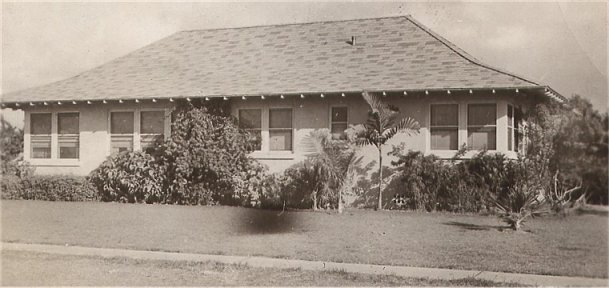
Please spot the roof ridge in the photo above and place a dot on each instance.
(293, 24)
(462, 52)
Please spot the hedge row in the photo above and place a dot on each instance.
(48, 188)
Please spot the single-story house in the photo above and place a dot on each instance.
(282, 82)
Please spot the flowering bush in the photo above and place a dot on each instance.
(132, 177)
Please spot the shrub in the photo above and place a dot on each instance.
(460, 185)
(17, 167)
(320, 179)
(257, 188)
(132, 177)
(205, 162)
(204, 153)
(49, 188)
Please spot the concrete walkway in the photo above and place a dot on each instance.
(403, 271)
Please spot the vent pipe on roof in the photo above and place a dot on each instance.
(352, 40)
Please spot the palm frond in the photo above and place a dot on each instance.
(406, 125)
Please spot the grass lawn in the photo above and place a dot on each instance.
(40, 269)
(570, 246)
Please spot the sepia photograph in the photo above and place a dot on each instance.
(317, 144)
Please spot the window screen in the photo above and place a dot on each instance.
(40, 135)
(68, 135)
(280, 129)
(339, 123)
(121, 129)
(251, 121)
(444, 126)
(482, 126)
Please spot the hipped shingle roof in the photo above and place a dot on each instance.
(391, 53)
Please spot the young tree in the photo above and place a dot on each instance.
(383, 123)
(329, 165)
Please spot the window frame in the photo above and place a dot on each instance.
(496, 126)
(253, 129)
(30, 140)
(54, 160)
(110, 134)
(338, 122)
(269, 129)
(137, 140)
(140, 134)
(456, 127)
(69, 134)
(511, 145)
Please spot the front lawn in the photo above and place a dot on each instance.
(25, 269)
(571, 246)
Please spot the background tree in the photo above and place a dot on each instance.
(383, 123)
(11, 144)
(571, 141)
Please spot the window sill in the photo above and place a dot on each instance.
(55, 162)
(280, 155)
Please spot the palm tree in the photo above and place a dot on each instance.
(328, 166)
(383, 123)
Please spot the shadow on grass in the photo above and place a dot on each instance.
(257, 221)
(474, 227)
(591, 211)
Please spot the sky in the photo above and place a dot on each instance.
(560, 44)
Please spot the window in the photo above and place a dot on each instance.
(482, 126)
(152, 127)
(280, 129)
(68, 135)
(338, 122)
(510, 130)
(40, 135)
(121, 131)
(444, 126)
(251, 120)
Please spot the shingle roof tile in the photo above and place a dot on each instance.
(389, 53)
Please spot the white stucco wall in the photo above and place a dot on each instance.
(313, 112)
(308, 114)
(94, 138)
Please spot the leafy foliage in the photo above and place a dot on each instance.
(49, 188)
(384, 122)
(201, 164)
(320, 180)
(133, 177)
(11, 148)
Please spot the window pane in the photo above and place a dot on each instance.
(67, 123)
(338, 129)
(280, 140)
(444, 139)
(481, 114)
(250, 118)
(152, 122)
(41, 146)
(68, 146)
(40, 123)
(510, 114)
(280, 118)
(121, 143)
(148, 142)
(480, 138)
(257, 134)
(445, 115)
(121, 123)
(510, 136)
(339, 114)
